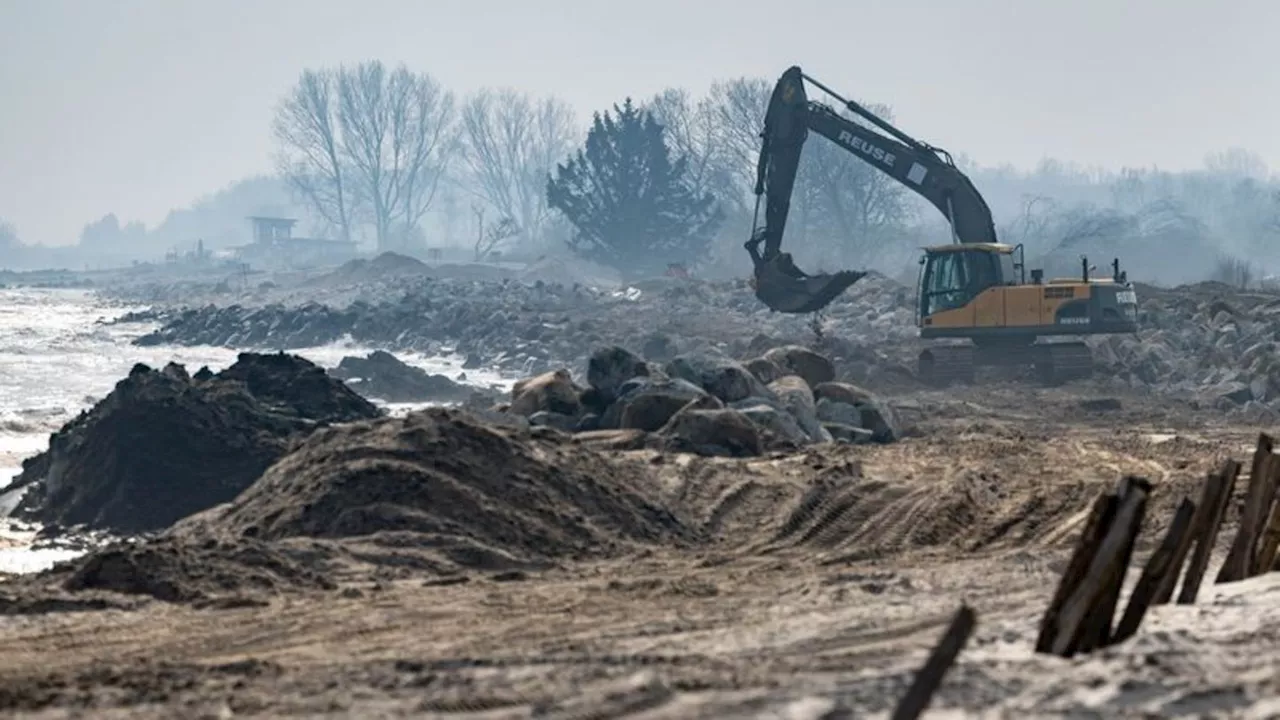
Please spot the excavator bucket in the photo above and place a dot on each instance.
(783, 287)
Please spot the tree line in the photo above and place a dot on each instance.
(669, 178)
(370, 151)
(652, 182)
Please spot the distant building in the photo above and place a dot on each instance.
(275, 247)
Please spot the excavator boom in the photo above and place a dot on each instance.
(924, 169)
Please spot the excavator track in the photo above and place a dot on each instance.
(1051, 363)
(946, 365)
(1058, 363)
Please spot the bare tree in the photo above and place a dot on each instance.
(1237, 162)
(397, 133)
(310, 149)
(692, 132)
(491, 238)
(857, 200)
(361, 143)
(510, 143)
(1031, 226)
(737, 109)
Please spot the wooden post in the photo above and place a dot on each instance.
(1095, 527)
(1094, 592)
(1159, 566)
(1225, 481)
(1096, 631)
(1265, 562)
(1257, 506)
(929, 677)
(1204, 511)
(1269, 535)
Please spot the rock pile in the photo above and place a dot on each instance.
(532, 328)
(709, 404)
(163, 445)
(1208, 342)
(383, 376)
(1214, 344)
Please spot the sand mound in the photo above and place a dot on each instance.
(163, 445)
(441, 479)
(174, 570)
(392, 265)
(1009, 493)
(382, 266)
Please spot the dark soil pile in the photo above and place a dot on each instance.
(164, 445)
(176, 570)
(384, 376)
(441, 479)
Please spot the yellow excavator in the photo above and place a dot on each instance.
(974, 288)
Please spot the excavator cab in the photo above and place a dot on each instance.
(952, 276)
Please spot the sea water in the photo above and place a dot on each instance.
(59, 355)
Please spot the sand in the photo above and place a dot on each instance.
(804, 586)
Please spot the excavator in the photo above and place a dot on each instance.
(971, 293)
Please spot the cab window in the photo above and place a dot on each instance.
(946, 278)
(952, 279)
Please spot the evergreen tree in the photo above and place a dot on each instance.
(630, 204)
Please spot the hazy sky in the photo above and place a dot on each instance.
(138, 106)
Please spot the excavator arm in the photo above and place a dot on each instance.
(924, 169)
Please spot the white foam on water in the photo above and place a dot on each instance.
(18, 557)
(58, 358)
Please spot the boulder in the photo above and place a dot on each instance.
(765, 370)
(813, 367)
(720, 376)
(770, 417)
(793, 393)
(842, 392)
(879, 418)
(610, 367)
(384, 376)
(874, 413)
(552, 391)
(724, 432)
(648, 403)
(834, 411)
(653, 406)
